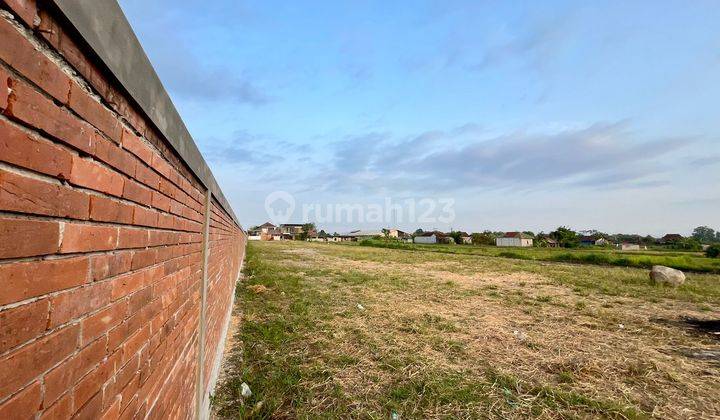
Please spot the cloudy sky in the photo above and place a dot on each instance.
(529, 115)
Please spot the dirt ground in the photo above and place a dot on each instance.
(432, 336)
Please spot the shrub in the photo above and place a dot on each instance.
(713, 251)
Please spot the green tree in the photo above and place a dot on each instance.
(306, 229)
(713, 251)
(705, 234)
(484, 238)
(566, 237)
(456, 237)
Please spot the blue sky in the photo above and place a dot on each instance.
(596, 115)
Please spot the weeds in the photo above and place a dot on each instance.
(435, 338)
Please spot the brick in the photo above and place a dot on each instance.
(88, 386)
(40, 112)
(145, 217)
(166, 221)
(137, 147)
(61, 409)
(133, 238)
(54, 34)
(28, 151)
(124, 375)
(20, 54)
(127, 284)
(72, 304)
(23, 323)
(25, 9)
(128, 399)
(170, 190)
(162, 166)
(27, 238)
(88, 238)
(144, 258)
(21, 280)
(21, 366)
(110, 153)
(179, 209)
(139, 299)
(134, 191)
(4, 88)
(133, 344)
(65, 375)
(108, 265)
(113, 412)
(104, 209)
(147, 176)
(97, 324)
(23, 405)
(89, 174)
(20, 193)
(117, 336)
(165, 253)
(160, 237)
(160, 201)
(94, 112)
(91, 410)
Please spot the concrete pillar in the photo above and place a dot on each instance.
(201, 410)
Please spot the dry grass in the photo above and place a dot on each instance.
(342, 331)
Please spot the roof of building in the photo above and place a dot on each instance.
(673, 236)
(365, 233)
(434, 232)
(517, 235)
(266, 224)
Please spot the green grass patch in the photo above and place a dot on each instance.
(686, 261)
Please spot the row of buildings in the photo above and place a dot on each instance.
(269, 232)
(293, 231)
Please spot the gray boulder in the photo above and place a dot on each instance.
(666, 275)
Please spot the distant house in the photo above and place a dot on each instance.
(314, 236)
(465, 238)
(443, 238)
(364, 234)
(548, 242)
(602, 242)
(267, 227)
(671, 238)
(291, 230)
(514, 239)
(426, 238)
(265, 232)
(399, 234)
(587, 240)
(625, 246)
(552, 243)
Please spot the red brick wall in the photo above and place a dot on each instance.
(101, 238)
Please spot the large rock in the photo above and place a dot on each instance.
(666, 275)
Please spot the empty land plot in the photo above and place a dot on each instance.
(358, 332)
